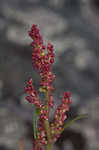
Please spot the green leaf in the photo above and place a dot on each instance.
(38, 111)
(35, 123)
(74, 119)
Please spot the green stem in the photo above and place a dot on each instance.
(47, 127)
(46, 122)
(48, 146)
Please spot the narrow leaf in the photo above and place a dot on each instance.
(35, 123)
(74, 119)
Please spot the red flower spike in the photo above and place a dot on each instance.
(42, 59)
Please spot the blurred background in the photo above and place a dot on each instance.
(73, 27)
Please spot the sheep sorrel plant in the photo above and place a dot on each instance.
(45, 133)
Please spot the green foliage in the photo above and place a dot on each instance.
(35, 116)
(73, 120)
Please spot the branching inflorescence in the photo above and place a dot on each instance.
(45, 133)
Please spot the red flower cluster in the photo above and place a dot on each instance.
(60, 116)
(42, 59)
(42, 134)
(32, 97)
